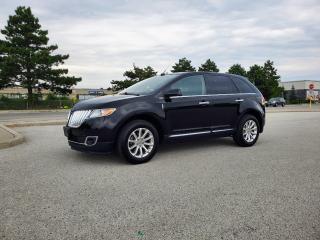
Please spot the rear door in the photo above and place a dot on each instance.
(188, 113)
(224, 101)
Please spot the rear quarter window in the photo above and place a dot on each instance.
(244, 86)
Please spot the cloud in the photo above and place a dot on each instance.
(104, 38)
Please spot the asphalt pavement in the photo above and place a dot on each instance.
(31, 116)
(204, 189)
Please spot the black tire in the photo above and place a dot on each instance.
(283, 104)
(123, 141)
(238, 136)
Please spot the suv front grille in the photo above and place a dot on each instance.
(78, 117)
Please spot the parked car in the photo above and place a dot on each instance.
(275, 102)
(163, 108)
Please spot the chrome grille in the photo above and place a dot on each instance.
(78, 117)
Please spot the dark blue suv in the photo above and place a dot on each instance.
(172, 106)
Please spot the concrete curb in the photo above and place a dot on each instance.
(15, 140)
(19, 138)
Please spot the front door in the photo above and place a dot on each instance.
(187, 114)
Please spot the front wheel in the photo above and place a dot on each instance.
(138, 141)
(247, 132)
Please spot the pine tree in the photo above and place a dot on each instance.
(140, 74)
(27, 60)
(183, 65)
(133, 76)
(209, 66)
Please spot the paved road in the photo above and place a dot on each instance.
(22, 116)
(208, 189)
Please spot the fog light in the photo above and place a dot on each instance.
(91, 141)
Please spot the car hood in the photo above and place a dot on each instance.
(103, 102)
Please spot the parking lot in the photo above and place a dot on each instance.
(203, 189)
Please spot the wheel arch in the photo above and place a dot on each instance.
(149, 117)
(256, 114)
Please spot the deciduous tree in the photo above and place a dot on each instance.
(237, 69)
(266, 79)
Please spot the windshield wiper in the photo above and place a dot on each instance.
(126, 93)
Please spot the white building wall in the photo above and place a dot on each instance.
(300, 85)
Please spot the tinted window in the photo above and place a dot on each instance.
(243, 86)
(193, 85)
(219, 84)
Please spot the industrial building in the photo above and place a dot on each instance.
(299, 88)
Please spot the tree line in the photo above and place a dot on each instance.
(265, 77)
(28, 60)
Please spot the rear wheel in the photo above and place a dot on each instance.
(247, 132)
(138, 141)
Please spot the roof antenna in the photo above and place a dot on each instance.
(165, 70)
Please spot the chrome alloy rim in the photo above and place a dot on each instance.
(250, 131)
(140, 142)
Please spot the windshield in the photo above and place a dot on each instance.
(148, 85)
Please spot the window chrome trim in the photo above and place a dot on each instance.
(210, 95)
(202, 132)
(218, 94)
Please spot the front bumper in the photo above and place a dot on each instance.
(77, 139)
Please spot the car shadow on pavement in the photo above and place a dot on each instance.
(195, 144)
(180, 146)
(96, 158)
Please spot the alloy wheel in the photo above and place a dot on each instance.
(140, 142)
(250, 131)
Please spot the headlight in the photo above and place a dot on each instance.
(102, 112)
(69, 115)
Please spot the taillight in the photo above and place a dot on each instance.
(263, 101)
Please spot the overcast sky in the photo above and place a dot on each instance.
(104, 38)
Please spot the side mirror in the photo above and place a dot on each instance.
(171, 93)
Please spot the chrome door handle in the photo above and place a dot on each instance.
(239, 100)
(204, 103)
